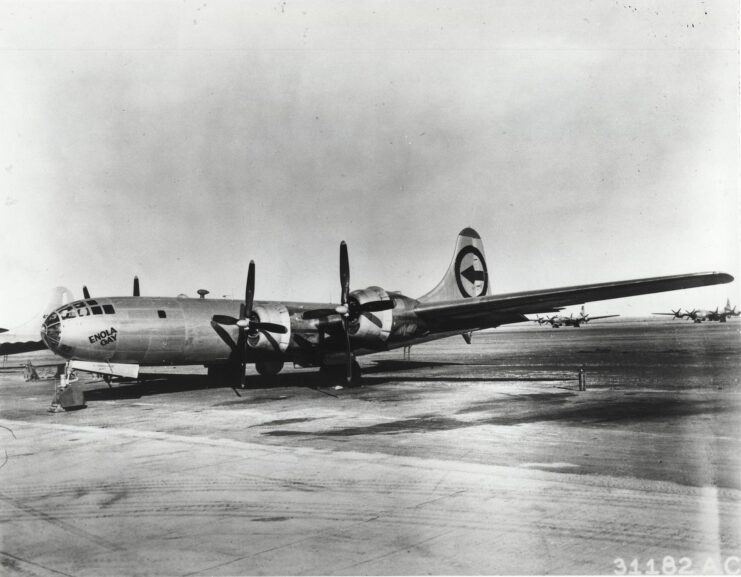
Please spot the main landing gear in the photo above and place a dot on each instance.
(269, 368)
(230, 374)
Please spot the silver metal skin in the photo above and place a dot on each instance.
(149, 331)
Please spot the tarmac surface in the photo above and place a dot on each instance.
(465, 459)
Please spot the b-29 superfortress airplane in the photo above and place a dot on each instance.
(557, 321)
(118, 335)
(700, 315)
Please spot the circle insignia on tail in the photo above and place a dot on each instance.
(471, 273)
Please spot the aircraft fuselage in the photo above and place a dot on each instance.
(178, 331)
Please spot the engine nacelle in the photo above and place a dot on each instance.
(372, 327)
(272, 342)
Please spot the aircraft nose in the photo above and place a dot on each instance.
(51, 331)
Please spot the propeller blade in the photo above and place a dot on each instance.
(85, 292)
(225, 336)
(348, 351)
(344, 272)
(249, 294)
(136, 286)
(303, 342)
(224, 320)
(269, 327)
(318, 314)
(242, 352)
(377, 306)
(273, 342)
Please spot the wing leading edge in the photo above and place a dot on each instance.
(501, 309)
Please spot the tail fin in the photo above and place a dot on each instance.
(467, 275)
(60, 296)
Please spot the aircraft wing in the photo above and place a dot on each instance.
(15, 347)
(500, 309)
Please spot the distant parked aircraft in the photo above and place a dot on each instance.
(675, 314)
(700, 315)
(558, 321)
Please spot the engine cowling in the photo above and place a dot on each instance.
(272, 342)
(371, 327)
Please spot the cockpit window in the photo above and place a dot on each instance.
(67, 313)
(96, 310)
(50, 331)
(108, 309)
(92, 302)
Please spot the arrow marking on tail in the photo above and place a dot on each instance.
(473, 281)
(472, 275)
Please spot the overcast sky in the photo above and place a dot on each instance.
(585, 141)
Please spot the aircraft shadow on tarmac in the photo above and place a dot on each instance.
(522, 410)
(162, 384)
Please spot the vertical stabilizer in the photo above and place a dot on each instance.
(60, 296)
(467, 275)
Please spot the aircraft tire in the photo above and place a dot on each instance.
(269, 368)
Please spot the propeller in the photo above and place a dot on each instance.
(350, 308)
(677, 313)
(248, 323)
(85, 292)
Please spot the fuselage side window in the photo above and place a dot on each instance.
(96, 310)
(108, 309)
(162, 314)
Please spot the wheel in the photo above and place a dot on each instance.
(269, 368)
